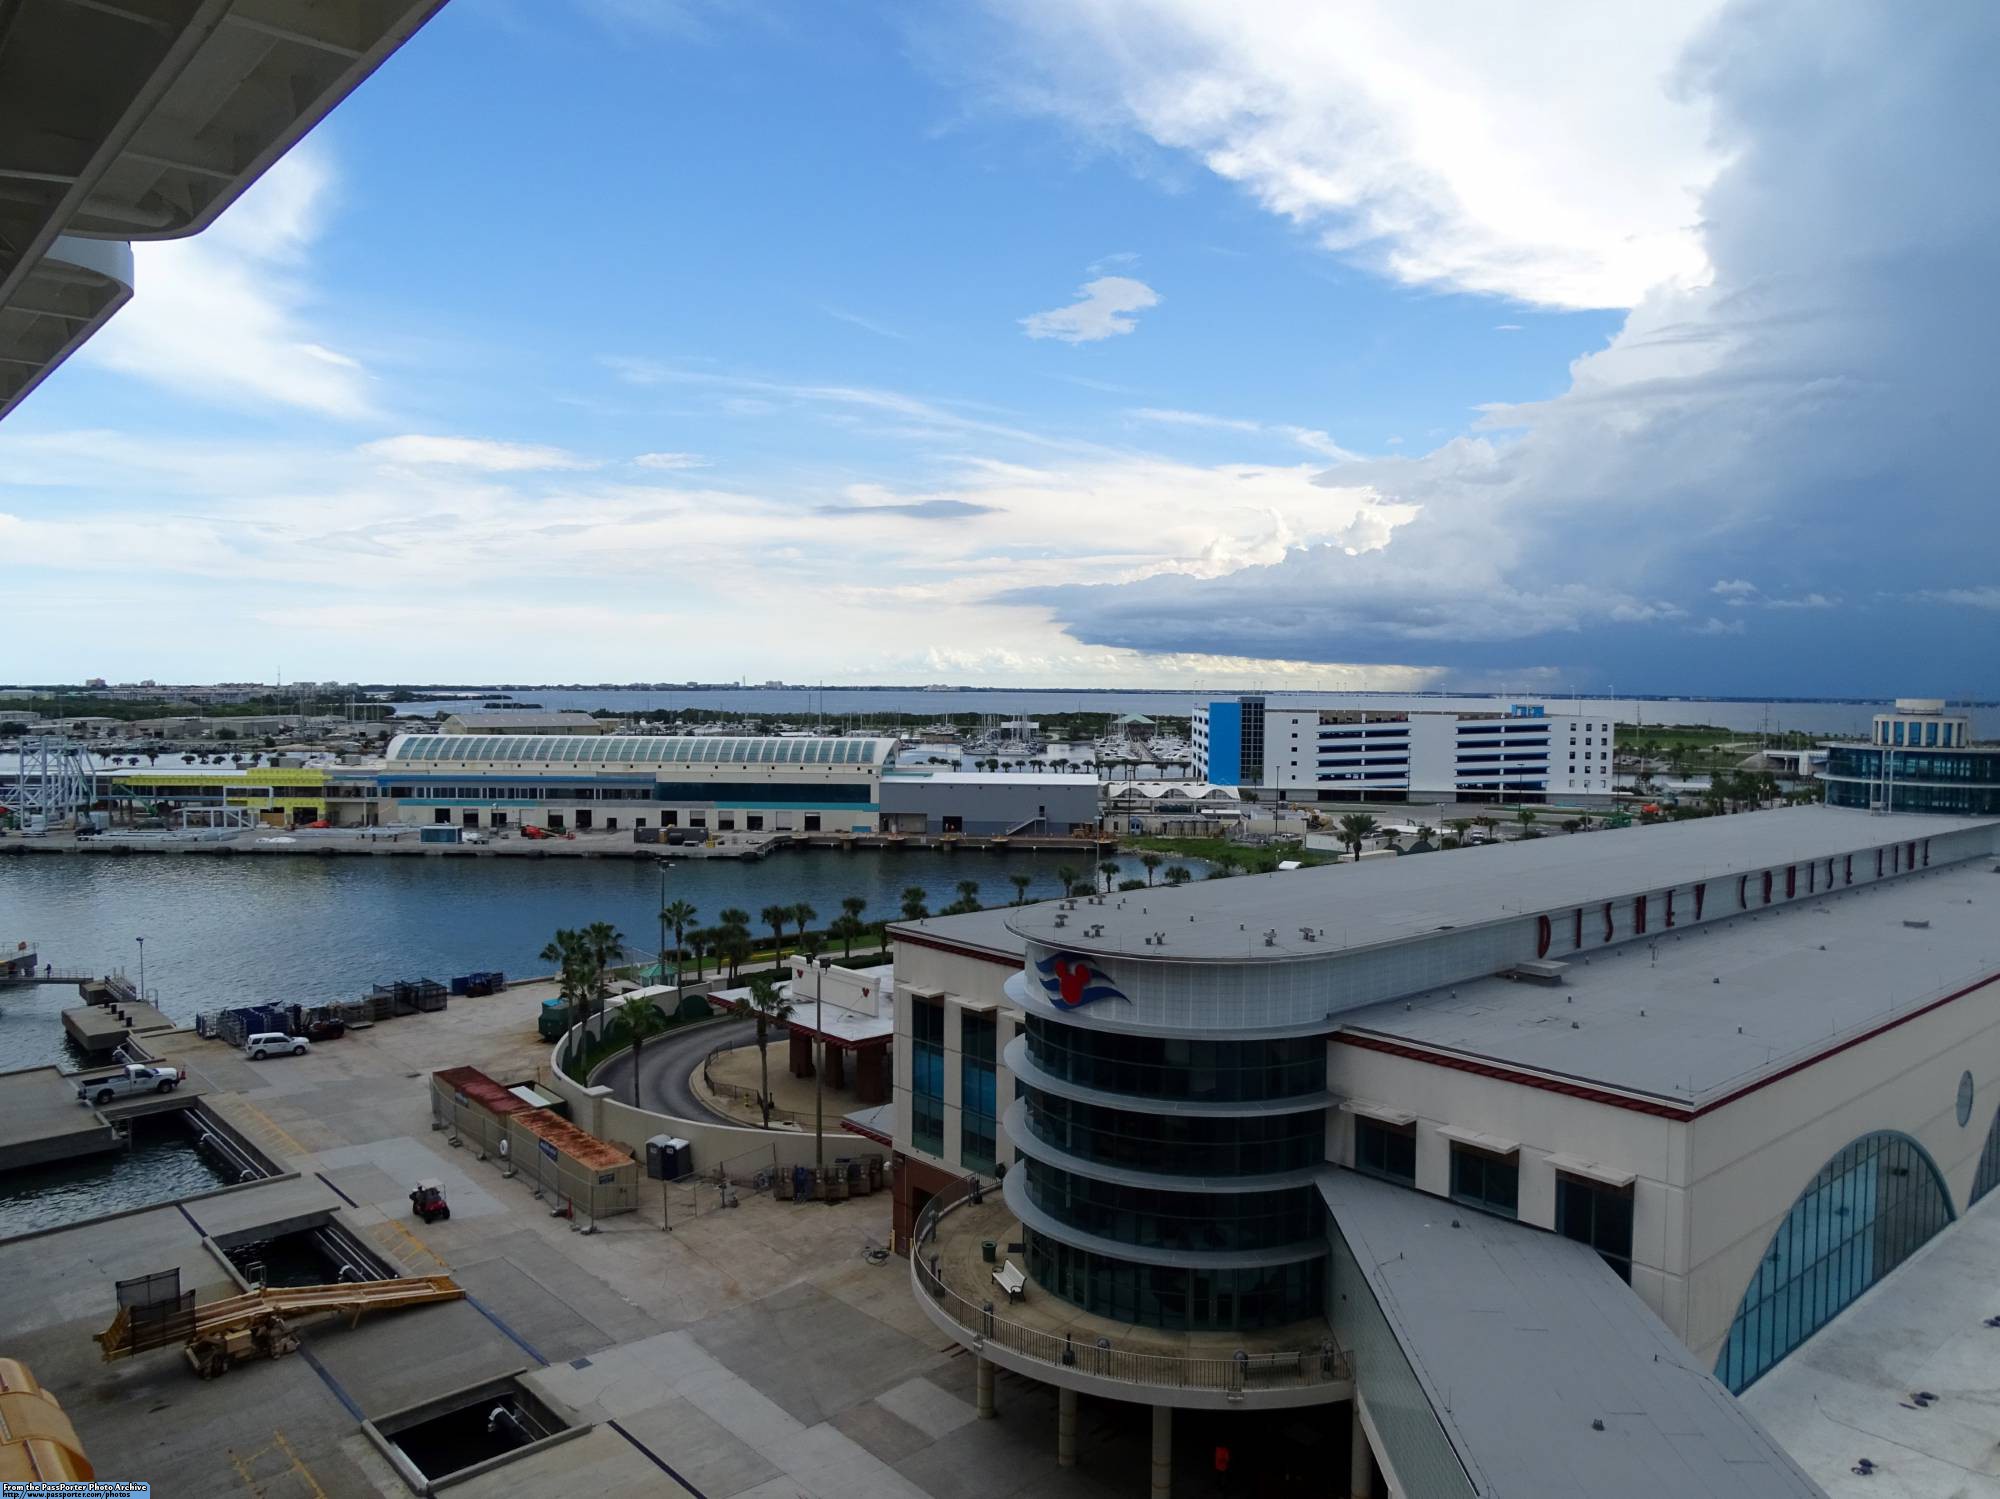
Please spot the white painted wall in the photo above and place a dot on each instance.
(1750, 1160)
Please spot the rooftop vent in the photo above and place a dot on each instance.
(1921, 926)
(1271, 937)
(1540, 971)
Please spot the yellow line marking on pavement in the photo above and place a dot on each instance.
(265, 1121)
(295, 1467)
(419, 1244)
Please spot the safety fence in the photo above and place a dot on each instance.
(1234, 1373)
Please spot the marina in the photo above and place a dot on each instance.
(223, 932)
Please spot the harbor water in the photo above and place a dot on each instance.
(162, 1165)
(222, 932)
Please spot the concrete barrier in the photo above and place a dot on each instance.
(594, 1109)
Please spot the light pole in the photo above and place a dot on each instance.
(142, 968)
(819, 1079)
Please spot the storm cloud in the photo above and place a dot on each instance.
(1779, 481)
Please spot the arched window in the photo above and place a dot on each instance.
(1867, 1211)
(1987, 1177)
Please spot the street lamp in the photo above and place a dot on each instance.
(142, 968)
(819, 1078)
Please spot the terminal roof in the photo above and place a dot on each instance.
(634, 749)
(1396, 900)
(1520, 1339)
(985, 931)
(1696, 1014)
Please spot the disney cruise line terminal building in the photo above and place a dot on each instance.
(1506, 1152)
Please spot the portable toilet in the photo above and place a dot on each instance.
(669, 1158)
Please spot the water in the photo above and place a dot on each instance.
(1833, 718)
(162, 1166)
(273, 929)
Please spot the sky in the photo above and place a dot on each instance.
(1541, 347)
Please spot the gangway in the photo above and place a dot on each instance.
(216, 1334)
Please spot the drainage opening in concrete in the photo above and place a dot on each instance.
(320, 1255)
(469, 1431)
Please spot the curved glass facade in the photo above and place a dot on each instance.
(1175, 1297)
(1153, 1219)
(1965, 781)
(1176, 1144)
(1175, 1067)
(1867, 1211)
(1987, 1177)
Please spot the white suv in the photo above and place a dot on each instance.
(270, 1043)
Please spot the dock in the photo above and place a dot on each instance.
(99, 1028)
(41, 1121)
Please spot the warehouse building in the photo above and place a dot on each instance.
(523, 721)
(720, 784)
(1749, 1065)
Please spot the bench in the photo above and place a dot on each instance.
(1010, 1279)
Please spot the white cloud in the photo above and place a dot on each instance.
(1309, 438)
(224, 315)
(671, 461)
(1102, 310)
(1447, 146)
(476, 453)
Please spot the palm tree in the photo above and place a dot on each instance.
(775, 918)
(700, 941)
(734, 919)
(1108, 869)
(1460, 826)
(678, 916)
(566, 952)
(768, 1005)
(1066, 876)
(853, 906)
(1526, 818)
(1355, 829)
(968, 894)
(915, 907)
(734, 944)
(1152, 861)
(1020, 882)
(804, 916)
(637, 1020)
(1177, 874)
(846, 928)
(1487, 823)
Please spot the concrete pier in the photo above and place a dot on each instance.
(41, 1121)
(99, 1028)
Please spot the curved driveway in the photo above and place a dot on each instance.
(666, 1063)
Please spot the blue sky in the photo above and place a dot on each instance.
(1054, 344)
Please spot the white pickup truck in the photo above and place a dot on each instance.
(133, 1077)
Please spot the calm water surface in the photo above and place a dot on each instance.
(235, 931)
(162, 1166)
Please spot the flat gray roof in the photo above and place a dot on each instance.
(1521, 1338)
(1382, 901)
(1693, 1014)
(985, 930)
(1844, 1394)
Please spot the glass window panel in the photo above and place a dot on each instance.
(1867, 1211)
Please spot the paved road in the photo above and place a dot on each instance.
(665, 1064)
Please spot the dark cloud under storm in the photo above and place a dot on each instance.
(1779, 481)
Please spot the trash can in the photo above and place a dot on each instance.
(987, 1250)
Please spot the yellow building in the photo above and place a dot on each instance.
(277, 797)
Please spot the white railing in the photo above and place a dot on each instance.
(1227, 1373)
